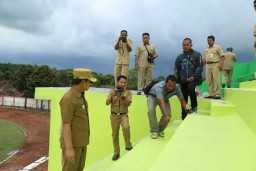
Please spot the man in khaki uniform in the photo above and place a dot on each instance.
(214, 59)
(123, 47)
(120, 99)
(144, 62)
(254, 31)
(75, 121)
(228, 67)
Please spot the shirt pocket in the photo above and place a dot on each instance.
(214, 52)
(80, 110)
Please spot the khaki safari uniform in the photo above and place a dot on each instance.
(212, 56)
(74, 110)
(145, 68)
(254, 33)
(228, 67)
(119, 116)
(123, 59)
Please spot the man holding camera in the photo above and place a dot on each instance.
(120, 99)
(123, 47)
(144, 62)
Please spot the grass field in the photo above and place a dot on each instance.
(11, 139)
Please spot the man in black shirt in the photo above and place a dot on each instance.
(188, 69)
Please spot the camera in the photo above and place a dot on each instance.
(124, 39)
(118, 92)
(150, 57)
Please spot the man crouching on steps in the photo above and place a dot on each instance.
(120, 99)
(160, 94)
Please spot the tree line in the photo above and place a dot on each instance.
(25, 77)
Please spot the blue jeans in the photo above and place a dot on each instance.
(152, 102)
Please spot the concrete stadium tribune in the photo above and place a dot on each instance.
(221, 136)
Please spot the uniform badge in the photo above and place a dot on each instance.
(83, 107)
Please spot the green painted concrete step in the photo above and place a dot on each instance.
(248, 84)
(221, 108)
(141, 156)
(203, 112)
(209, 143)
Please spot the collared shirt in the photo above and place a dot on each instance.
(142, 53)
(254, 30)
(159, 91)
(123, 55)
(213, 54)
(229, 60)
(117, 104)
(74, 110)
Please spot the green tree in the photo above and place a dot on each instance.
(43, 76)
(104, 80)
(63, 79)
(160, 78)
(21, 76)
(7, 71)
(132, 79)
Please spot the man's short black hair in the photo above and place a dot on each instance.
(171, 77)
(120, 77)
(187, 39)
(254, 1)
(145, 34)
(211, 37)
(77, 81)
(123, 31)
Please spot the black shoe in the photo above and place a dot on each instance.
(229, 86)
(138, 93)
(208, 97)
(115, 157)
(223, 85)
(128, 148)
(216, 97)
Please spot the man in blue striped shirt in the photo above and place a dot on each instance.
(160, 94)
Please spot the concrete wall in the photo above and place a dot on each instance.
(100, 127)
(20, 102)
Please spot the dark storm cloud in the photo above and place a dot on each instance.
(67, 34)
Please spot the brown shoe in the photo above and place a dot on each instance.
(216, 97)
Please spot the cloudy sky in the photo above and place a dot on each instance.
(82, 33)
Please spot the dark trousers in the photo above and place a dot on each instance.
(188, 89)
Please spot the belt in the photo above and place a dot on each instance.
(114, 113)
(212, 62)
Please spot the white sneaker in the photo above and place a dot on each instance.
(161, 134)
(154, 135)
(194, 110)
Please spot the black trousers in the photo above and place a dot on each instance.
(188, 89)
